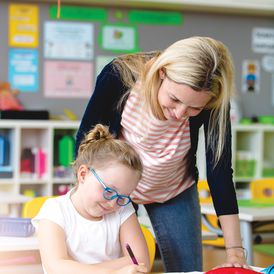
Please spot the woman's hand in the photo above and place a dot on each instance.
(132, 269)
(235, 257)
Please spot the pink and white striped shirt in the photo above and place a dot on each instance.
(162, 146)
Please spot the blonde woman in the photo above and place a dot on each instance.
(157, 102)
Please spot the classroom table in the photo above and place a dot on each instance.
(247, 216)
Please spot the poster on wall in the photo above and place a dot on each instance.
(263, 40)
(23, 69)
(23, 25)
(78, 39)
(118, 38)
(67, 79)
(251, 76)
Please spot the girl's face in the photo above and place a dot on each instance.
(178, 100)
(89, 200)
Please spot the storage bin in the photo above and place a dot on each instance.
(16, 227)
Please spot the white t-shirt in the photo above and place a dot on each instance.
(87, 241)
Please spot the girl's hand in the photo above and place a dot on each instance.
(132, 269)
(235, 258)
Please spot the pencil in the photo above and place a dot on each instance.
(130, 252)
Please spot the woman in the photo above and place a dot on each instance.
(157, 102)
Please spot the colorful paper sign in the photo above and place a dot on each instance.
(23, 25)
(118, 38)
(67, 40)
(155, 17)
(263, 40)
(79, 13)
(23, 69)
(68, 79)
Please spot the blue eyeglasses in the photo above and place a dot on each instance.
(110, 193)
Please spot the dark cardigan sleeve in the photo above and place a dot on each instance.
(102, 106)
(220, 177)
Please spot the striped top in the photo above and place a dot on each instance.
(162, 146)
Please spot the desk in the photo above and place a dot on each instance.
(14, 202)
(18, 243)
(247, 216)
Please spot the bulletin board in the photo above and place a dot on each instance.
(54, 62)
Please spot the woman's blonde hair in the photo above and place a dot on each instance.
(202, 63)
(99, 148)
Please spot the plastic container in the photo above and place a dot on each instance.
(16, 227)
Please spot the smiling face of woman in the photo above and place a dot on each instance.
(178, 100)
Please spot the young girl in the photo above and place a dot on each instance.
(86, 230)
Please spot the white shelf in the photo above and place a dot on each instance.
(29, 134)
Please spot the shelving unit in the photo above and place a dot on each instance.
(252, 155)
(31, 162)
(252, 152)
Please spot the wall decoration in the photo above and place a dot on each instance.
(155, 17)
(78, 39)
(118, 38)
(23, 69)
(79, 13)
(263, 40)
(23, 25)
(251, 76)
(68, 79)
(268, 63)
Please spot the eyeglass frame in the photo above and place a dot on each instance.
(116, 196)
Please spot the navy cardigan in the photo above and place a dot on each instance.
(102, 108)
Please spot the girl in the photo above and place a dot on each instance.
(86, 230)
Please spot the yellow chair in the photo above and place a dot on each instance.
(32, 207)
(263, 191)
(209, 222)
(151, 244)
(262, 188)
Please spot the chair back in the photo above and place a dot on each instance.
(204, 192)
(262, 188)
(151, 245)
(32, 207)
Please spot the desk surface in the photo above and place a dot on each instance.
(250, 214)
(18, 243)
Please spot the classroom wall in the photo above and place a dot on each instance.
(234, 30)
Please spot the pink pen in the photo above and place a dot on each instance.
(129, 250)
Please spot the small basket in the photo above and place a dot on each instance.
(16, 227)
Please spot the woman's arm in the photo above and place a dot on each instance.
(235, 255)
(55, 257)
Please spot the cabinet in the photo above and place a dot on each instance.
(35, 156)
(252, 155)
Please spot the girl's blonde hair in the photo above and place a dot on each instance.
(202, 63)
(99, 148)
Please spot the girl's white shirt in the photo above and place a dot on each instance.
(87, 241)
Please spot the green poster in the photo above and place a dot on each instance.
(118, 38)
(155, 17)
(78, 13)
